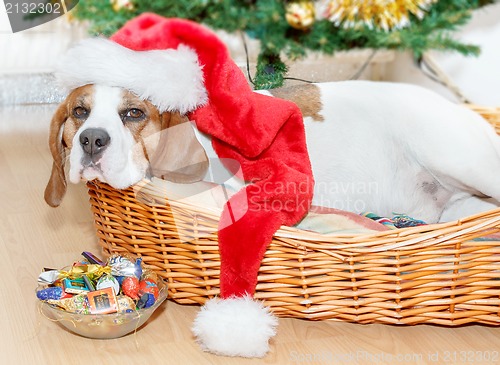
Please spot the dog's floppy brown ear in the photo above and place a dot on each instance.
(179, 157)
(56, 187)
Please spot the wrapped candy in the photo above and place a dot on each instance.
(138, 267)
(54, 293)
(75, 286)
(148, 292)
(146, 301)
(120, 279)
(130, 287)
(125, 304)
(92, 271)
(102, 301)
(108, 281)
(151, 300)
(93, 259)
(76, 304)
(150, 287)
(125, 266)
(148, 274)
(49, 277)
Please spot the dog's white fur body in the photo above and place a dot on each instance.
(398, 149)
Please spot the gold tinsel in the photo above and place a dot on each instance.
(300, 13)
(384, 14)
(122, 4)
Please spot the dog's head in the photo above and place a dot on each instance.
(110, 134)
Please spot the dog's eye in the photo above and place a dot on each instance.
(133, 114)
(80, 112)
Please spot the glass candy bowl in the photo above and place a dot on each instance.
(104, 326)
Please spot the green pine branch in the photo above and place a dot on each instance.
(265, 20)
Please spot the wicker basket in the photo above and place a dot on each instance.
(447, 274)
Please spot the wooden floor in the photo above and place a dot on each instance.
(33, 236)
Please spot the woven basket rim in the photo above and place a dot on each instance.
(375, 241)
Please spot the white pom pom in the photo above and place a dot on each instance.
(238, 326)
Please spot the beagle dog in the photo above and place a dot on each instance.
(380, 147)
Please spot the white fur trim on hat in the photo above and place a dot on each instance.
(238, 326)
(172, 79)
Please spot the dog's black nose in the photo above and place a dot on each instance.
(94, 141)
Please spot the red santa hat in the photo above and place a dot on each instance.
(181, 65)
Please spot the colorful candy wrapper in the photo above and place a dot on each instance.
(108, 281)
(125, 304)
(92, 271)
(146, 301)
(76, 304)
(102, 301)
(125, 266)
(120, 279)
(49, 277)
(148, 274)
(54, 293)
(93, 259)
(150, 287)
(88, 282)
(130, 287)
(151, 300)
(75, 286)
(138, 267)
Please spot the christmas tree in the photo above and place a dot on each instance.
(293, 27)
